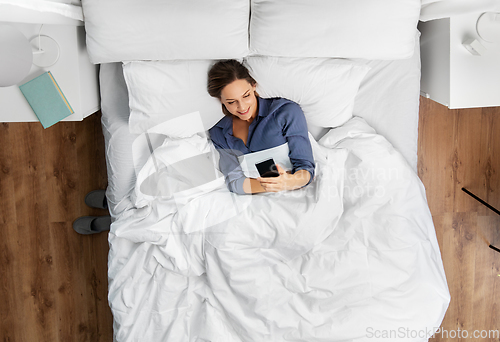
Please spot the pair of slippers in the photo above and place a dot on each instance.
(93, 224)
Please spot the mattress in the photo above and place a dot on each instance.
(369, 263)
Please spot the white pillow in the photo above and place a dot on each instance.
(324, 88)
(382, 29)
(125, 30)
(162, 90)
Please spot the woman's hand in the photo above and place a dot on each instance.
(285, 181)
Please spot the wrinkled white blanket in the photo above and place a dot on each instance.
(348, 258)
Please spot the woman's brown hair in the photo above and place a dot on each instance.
(223, 73)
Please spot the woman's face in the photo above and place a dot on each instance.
(239, 99)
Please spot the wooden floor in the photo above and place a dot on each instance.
(53, 282)
(461, 148)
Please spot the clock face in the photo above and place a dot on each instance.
(488, 27)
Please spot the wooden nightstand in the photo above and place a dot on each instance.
(76, 76)
(451, 75)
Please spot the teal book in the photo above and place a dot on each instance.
(46, 99)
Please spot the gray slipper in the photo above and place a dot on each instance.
(97, 199)
(92, 224)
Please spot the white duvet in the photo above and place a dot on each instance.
(351, 257)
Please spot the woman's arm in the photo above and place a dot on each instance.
(234, 176)
(228, 162)
(285, 181)
(252, 186)
(294, 128)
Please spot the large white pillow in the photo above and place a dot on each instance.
(382, 29)
(162, 90)
(324, 88)
(125, 30)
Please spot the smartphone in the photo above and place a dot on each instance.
(267, 168)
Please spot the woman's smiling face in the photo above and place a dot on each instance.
(240, 100)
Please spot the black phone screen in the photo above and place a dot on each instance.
(267, 168)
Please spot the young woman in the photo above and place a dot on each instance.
(254, 124)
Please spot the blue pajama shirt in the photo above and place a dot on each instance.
(278, 121)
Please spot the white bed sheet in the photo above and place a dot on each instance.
(350, 256)
(388, 99)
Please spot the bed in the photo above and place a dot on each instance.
(351, 257)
